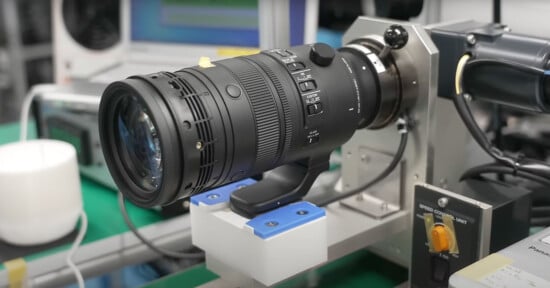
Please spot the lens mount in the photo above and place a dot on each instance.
(388, 82)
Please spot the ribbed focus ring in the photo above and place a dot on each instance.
(287, 132)
(265, 112)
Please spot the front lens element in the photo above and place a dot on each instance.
(138, 144)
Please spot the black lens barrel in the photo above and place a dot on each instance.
(242, 116)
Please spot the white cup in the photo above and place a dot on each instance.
(40, 194)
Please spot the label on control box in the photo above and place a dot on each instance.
(511, 276)
(458, 218)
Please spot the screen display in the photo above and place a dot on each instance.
(210, 22)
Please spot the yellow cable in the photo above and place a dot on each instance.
(459, 71)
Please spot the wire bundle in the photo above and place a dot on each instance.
(529, 169)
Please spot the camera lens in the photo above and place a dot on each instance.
(139, 144)
(171, 135)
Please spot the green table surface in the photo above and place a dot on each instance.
(100, 204)
(359, 269)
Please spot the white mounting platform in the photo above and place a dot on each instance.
(268, 248)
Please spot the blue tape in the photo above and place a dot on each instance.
(285, 218)
(220, 194)
(547, 72)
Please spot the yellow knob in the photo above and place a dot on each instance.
(440, 239)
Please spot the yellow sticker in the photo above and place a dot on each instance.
(448, 221)
(17, 271)
(429, 223)
(204, 62)
(236, 51)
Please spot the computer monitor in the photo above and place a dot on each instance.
(210, 22)
(171, 34)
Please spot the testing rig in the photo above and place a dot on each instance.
(396, 97)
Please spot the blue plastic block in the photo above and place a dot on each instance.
(285, 218)
(220, 194)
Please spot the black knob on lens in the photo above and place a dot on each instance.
(396, 36)
(321, 54)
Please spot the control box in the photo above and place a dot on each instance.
(452, 230)
(524, 264)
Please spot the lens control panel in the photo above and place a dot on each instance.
(295, 66)
(308, 85)
(302, 71)
(308, 65)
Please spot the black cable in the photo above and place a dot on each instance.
(393, 164)
(496, 109)
(542, 221)
(496, 11)
(476, 132)
(496, 124)
(163, 252)
(532, 166)
(500, 169)
(539, 211)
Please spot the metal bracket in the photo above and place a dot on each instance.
(370, 205)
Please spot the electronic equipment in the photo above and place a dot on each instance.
(173, 135)
(398, 9)
(505, 68)
(150, 35)
(69, 113)
(523, 264)
(354, 224)
(454, 229)
(494, 65)
(76, 53)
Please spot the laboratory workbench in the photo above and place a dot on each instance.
(360, 269)
(108, 244)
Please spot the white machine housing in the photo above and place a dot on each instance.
(72, 60)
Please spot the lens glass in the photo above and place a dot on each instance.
(139, 144)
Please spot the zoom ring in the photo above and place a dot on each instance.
(265, 112)
(286, 134)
